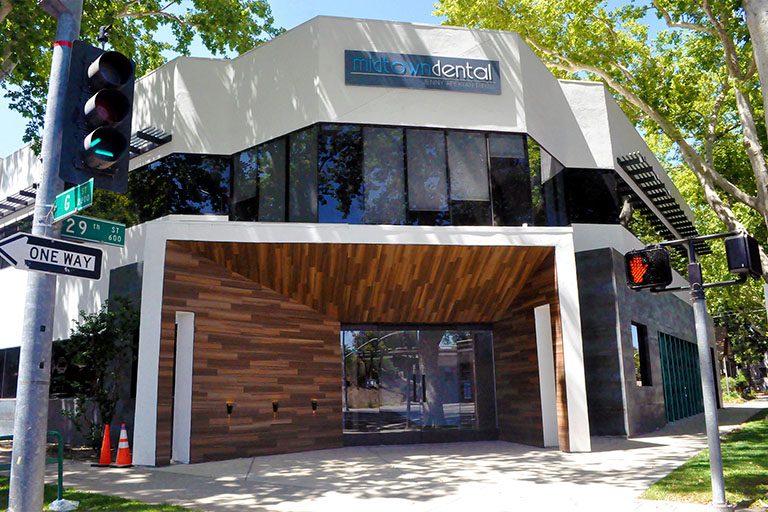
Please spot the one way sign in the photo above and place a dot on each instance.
(28, 252)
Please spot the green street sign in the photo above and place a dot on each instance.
(80, 227)
(73, 200)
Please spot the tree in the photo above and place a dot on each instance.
(696, 82)
(93, 362)
(149, 31)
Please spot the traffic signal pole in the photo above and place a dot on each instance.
(708, 386)
(31, 415)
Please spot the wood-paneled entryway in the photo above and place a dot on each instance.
(267, 321)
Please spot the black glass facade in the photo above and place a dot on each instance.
(181, 184)
(360, 174)
(343, 173)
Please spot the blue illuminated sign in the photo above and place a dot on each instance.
(421, 72)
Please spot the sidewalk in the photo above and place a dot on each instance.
(483, 476)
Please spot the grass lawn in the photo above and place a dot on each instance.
(92, 502)
(745, 467)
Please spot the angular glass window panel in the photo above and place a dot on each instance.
(470, 213)
(302, 176)
(510, 180)
(245, 187)
(468, 166)
(427, 181)
(271, 164)
(181, 184)
(538, 205)
(340, 174)
(384, 176)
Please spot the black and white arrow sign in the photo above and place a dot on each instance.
(28, 252)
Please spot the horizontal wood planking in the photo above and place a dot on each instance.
(252, 346)
(369, 283)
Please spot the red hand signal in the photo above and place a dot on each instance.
(638, 268)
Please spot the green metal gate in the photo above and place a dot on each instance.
(681, 376)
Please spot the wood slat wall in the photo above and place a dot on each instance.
(251, 346)
(364, 283)
(518, 397)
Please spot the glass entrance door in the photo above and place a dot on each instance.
(415, 379)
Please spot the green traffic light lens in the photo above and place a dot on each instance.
(103, 147)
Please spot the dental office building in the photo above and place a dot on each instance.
(369, 232)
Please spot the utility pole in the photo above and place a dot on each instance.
(31, 416)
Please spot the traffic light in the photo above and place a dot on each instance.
(648, 268)
(97, 127)
(743, 254)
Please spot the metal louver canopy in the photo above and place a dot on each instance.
(147, 139)
(643, 175)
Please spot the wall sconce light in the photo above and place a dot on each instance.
(275, 407)
(230, 407)
(314, 406)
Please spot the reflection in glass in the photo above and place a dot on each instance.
(417, 380)
(181, 184)
(511, 180)
(384, 175)
(427, 182)
(245, 198)
(302, 184)
(271, 169)
(468, 165)
(340, 180)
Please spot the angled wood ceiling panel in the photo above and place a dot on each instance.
(366, 283)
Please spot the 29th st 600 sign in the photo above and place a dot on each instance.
(28, 252)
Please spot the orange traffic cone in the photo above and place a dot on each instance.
(106, 450)
(123, 459)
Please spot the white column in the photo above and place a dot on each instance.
(546, 360)
(182, 387)
(573, 350)
(145, 422)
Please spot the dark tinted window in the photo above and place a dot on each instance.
(271, 162)
(340, 176)
(511, 180)
(181, 184)
(427, 178)
(302, 177)
(245, 187)
(384, 175)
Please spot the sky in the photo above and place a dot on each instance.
(288, 14)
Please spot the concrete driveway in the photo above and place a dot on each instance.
(466, 477)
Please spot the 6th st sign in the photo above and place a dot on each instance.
(28, 252)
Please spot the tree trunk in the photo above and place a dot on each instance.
(757, 22)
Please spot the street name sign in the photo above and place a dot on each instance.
(80, 227)
(73, 200)
(28, 252)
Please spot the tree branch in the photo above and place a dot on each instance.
(5, 8)
(7, 65)
(711, 129)
(681, 24)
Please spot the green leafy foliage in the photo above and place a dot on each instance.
(148, 31)
(94, 362)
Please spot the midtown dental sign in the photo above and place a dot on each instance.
(421, 72)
